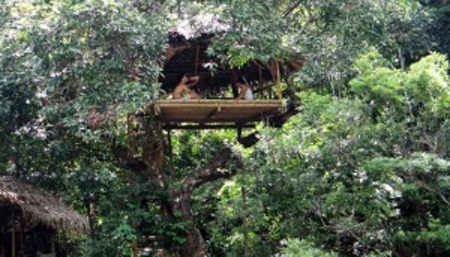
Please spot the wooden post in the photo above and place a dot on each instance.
(22, 242)
(135, 249)
(233, 85)
(196, 59)
(273, 71)
(278, 83)
(13, 234)
(239, 130)
(260, 82)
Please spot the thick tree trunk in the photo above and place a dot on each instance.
(153, 151)
(195, 245)
(154, 158)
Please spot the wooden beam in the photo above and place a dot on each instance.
(218, 126)
(263, 114)
(216, 74)
(207, 110)
(259, 65)
(183, 103)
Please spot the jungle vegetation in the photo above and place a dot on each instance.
(361, 169)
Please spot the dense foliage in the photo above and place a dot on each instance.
(361, 170)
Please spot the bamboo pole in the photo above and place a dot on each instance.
(196, 59)
(279, 94)
(135, 249)
(239, 130)
(13, 235)
(22, 242)
(273, 70)
(260, 82)
(234, 84)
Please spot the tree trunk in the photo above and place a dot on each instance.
(154, 158)
(195, 245)
(153, 151)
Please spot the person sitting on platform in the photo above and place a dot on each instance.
(182, 90)
(246, 92)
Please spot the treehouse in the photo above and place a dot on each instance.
(217, 108)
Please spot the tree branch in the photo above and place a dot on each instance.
(208, 173)
(310, 20)
(292, 8)
(427, 187)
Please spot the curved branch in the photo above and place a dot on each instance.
(208, 173)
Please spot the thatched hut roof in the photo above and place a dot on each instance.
(193, 26)
(38, 206)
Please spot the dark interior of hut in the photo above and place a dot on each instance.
(217, 79)
(22, 236)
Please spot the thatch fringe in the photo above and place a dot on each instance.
(38, 206)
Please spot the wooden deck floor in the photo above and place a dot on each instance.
(215, 110)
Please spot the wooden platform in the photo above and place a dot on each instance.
(215, 110)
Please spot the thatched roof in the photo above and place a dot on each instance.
(193, 26)
(38, 206)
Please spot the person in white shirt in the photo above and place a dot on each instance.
(246, 92)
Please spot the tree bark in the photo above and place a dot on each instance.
(196, 246)
(153, 151)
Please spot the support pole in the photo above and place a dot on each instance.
(196, 59)
(22, 240)
(260, 82)
(135, 249)
(273, 71)
(233, 85)
(239, 130)
(13, 235)
(279, 94)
